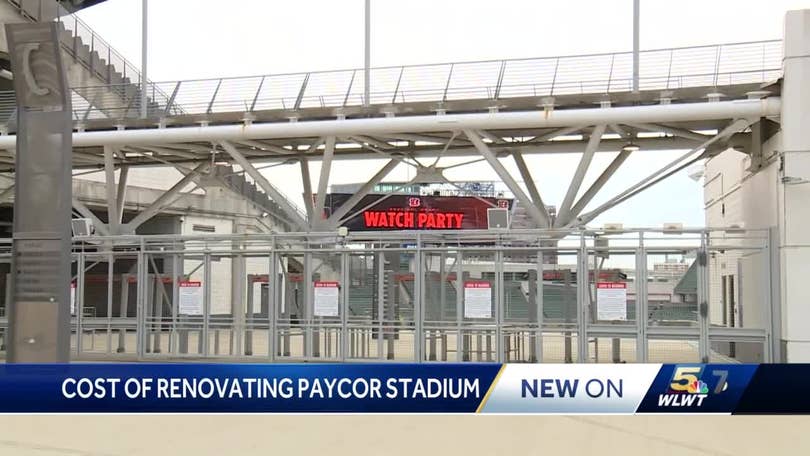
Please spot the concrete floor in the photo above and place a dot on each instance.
(406, 435)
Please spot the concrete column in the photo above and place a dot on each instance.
(794, 239)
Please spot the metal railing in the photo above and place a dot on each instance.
(122, 78)
(402, 296)
(719, 65)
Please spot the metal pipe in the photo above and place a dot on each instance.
(430, 123)
(144, 56)
(636, 22)
(367, 65)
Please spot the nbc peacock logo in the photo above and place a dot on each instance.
(698, 387)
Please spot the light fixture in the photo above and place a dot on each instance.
(631, 147)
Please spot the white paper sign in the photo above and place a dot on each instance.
(73, 298)
(477, 299)
(611, 301)
(326, 299)
(191, 298)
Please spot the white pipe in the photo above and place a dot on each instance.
(414, 124)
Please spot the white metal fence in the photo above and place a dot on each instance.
(404, 297)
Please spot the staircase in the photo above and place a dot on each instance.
(227, 177)
(109, 84)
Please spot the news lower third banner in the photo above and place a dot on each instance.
(405, 388)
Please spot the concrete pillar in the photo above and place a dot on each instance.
(794, 236)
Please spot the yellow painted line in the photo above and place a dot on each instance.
(491, 387)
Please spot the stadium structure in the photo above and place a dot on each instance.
(183, 249)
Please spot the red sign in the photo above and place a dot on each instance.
(406, 212)
(611, 285)
(189, 284)
(477, 284)
(326, 284)
(410, 220)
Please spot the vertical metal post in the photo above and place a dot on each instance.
(308, 306)
(636, 21)
(582, 299)
(381, 304)
(500, 342)
(140, 304)
(110, 283)
(539, 296)
(345, 280)
(703, 299)
(419, 302)
(641, 302)
(206, 301)
(461, 347)
(274, 294)
(367, 65)
(173, 336)
(144, 56)
(80, 280)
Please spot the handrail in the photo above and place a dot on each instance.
(716, 65)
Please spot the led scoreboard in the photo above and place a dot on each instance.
(408, 212)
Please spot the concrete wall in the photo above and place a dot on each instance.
(737, 196)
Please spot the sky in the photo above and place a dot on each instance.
(191, 39)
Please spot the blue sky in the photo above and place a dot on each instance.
(205, 38)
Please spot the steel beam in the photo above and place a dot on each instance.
(307, 181)
(494, 138)
(728, 131)
(556, 133)
(507, 179)
(268, 188)
(165, 199)
(531, 187)
(682, 132)
(374, 142)
(109, 187)
(579, 174)
(323, 180)
(121, 194)
(598, 184)
(376, 126)
(87, 213)
(337, 216)
(265, 146)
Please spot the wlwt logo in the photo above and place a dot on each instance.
(687, 387)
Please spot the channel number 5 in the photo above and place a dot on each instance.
(686, 375)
